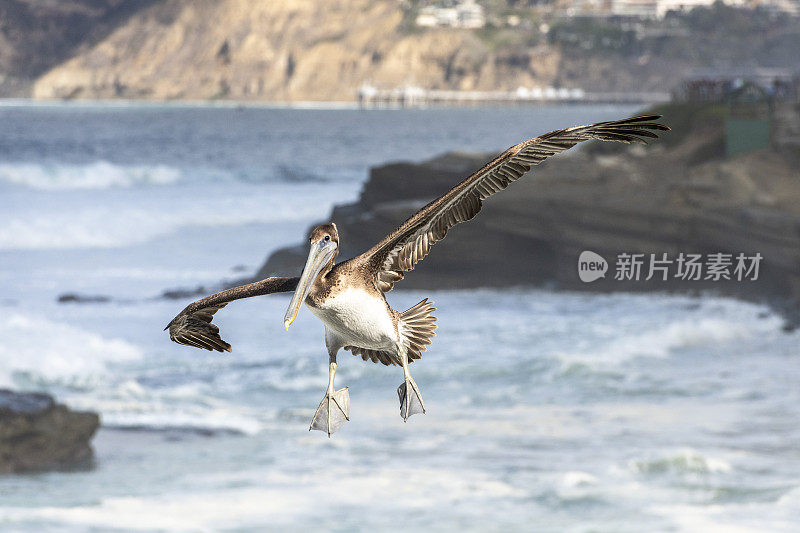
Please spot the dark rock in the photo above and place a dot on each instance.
(30, 403)
(180, 293)
(36, 433)
(75, 298)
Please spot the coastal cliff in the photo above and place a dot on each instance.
(292, 50)
(676, 195)
(36, 36)
(298, 50)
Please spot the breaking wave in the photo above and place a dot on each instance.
(107, 175)
(684, 461)
(97, 175)
(283, 503)
(41, 351)
(715, 322)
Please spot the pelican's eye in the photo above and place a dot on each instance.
(327, 237)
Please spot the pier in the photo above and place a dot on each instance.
(413, 96)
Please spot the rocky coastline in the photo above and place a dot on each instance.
(38, 434)
(678, 195)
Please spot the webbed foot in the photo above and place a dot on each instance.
(333, 412)
(410, 399)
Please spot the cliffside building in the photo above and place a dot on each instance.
(759, 105)
(466, 14)
(723, 85)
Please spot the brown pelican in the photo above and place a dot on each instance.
(349, 296)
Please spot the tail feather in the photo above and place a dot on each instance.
(417, 326)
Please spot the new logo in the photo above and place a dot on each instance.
(591, 266)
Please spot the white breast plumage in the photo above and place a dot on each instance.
(359, 319)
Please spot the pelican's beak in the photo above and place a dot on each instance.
(319, 255)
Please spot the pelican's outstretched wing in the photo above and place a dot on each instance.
(193, 325)
(402, 249)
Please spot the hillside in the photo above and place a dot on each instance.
(293, 50)
(297, 50)
(36, 36)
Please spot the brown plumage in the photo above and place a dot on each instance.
(193, 325)
(402, 249)
(349, 297)
(377, 270)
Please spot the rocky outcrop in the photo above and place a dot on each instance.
(668, 198)
(36, 433)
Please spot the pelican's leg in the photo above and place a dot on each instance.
(334, 409)
(410, 398)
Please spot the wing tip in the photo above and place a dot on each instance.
(643, 118)
(649, 119)
(646, 124)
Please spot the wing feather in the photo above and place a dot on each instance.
(406, 246)
(193, 326)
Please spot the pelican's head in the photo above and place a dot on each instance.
(324, 244)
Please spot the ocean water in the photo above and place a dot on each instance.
(546, 411)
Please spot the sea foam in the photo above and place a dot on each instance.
(286, 502)
(103, 174)
(48, 352)
(713, 323)
(96, 175)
